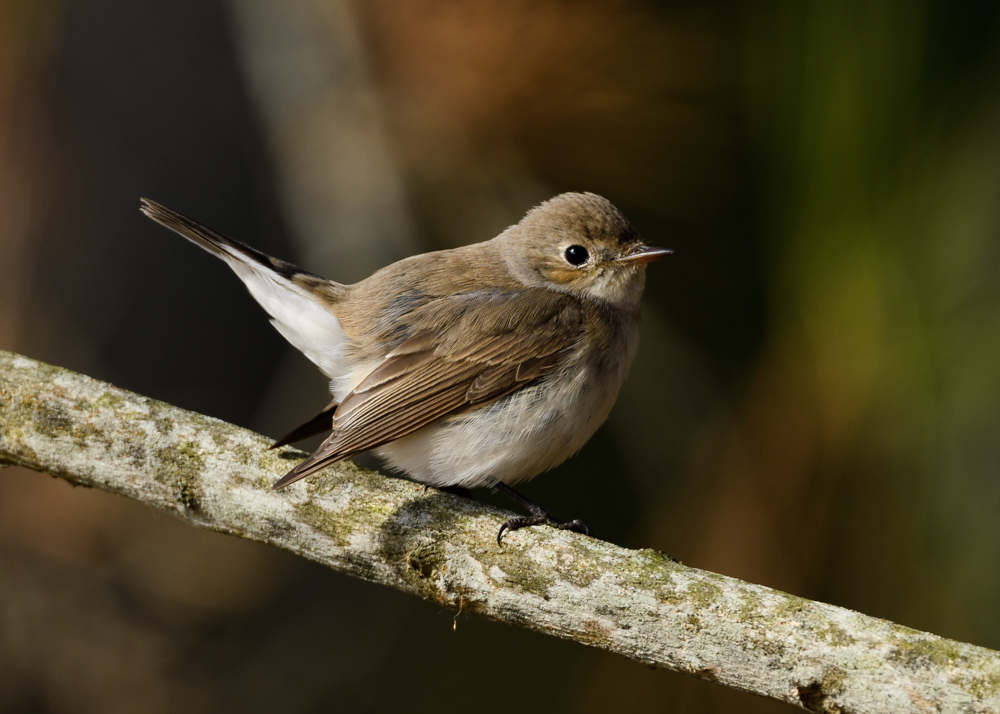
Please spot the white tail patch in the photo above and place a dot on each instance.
(309, 326)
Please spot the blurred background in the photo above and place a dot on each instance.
(815, 405)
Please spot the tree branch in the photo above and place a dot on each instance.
(639, 604)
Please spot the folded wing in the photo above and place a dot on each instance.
(510, 341)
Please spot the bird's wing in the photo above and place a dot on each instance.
(295, 299)
(508, 341)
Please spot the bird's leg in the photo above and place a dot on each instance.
(538, 516)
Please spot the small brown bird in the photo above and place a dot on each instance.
(479, 366)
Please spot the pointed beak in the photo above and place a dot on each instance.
(645, 254)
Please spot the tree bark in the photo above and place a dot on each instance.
(640, 604)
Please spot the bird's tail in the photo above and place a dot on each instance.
(301, 304)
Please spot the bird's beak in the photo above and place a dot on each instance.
(644, 254)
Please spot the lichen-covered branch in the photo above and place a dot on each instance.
(639, 604)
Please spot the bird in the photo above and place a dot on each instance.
(478, 366)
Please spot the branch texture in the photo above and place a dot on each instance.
(640, 604)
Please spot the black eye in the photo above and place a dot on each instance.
(576, 255)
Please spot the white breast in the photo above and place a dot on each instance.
(515, 438)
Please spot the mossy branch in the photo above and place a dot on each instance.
(639, 604)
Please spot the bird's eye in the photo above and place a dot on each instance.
(576, 255)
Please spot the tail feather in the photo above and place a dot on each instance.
(299, 302)
(219, 245)
(317, 425)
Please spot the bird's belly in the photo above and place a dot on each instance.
(512, 439)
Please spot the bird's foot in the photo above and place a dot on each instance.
(539, 519)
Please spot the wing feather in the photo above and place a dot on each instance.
(436, 373)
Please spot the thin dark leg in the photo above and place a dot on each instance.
(538, 516)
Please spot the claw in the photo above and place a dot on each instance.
(538, 516)
(577, 526)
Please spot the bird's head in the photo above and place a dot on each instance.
(581, 244)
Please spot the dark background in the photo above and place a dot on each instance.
(815, 406)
